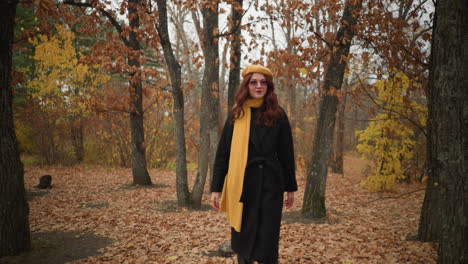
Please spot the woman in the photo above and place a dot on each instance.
(254, 166)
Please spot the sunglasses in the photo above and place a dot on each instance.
(255, 83)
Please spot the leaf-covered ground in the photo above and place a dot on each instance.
(146, 226)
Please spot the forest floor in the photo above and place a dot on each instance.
(93, 215)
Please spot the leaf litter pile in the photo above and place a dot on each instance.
(146, 226)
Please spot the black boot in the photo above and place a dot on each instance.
(243, 260)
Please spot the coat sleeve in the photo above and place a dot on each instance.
(286, 155)
(221, 163)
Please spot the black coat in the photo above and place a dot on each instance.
(269, 173)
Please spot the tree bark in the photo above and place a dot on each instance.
(235, 57)
(178, 108)
(223, 85)
(446, 199)
(430, 221)
(314, 196)
(209, 99)
(14, 209)
(289, 78)
(139, 168)
(339, 146)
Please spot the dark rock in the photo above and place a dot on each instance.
(224, 250)
(45, 182)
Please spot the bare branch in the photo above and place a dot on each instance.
(374, 120)
(421, 33)
(410, 54)
(391, 110)
(235, 27)
(106, 13)
(321, 38)
(417, 7)
(395, 197)
(231, 32)
(112, 110)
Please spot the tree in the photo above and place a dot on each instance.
(235, 54)
(130, 36)
(209, 98)
(62, 83)
(314, 195)
(183, 196)
(289, 60)
(139, 168)
(397, 33)
(14, 209)
(445, 209)
(388, 140)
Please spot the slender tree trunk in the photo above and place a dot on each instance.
(446, 199)
(314, 196)
(14, 209)
(139, 168)
(178, 109)
(77, 137)
(339, 146)
(291, 89)
(209, 99)
(123, 159)
(48, 146)
(235, 58)
(223, 86)
(288, 78)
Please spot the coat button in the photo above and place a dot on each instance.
(260, 166)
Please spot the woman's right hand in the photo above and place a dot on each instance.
(215, 200)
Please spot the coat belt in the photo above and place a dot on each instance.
(270, 160)
(261, 161)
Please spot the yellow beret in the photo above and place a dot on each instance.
(258, 69)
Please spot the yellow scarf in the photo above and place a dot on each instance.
(233, 183)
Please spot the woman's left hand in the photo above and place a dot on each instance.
(289, 200)
(215, 200)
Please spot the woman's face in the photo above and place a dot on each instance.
(257, 86)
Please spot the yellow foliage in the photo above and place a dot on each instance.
(388, 140)
(23, 135)
(303, 71)
(60, 81)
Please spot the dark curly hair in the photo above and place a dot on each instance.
(268, 113)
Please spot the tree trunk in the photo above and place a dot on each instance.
(48, 147)
(14, 209)
(339, 146)
(446, 199)
(235, 58)
(178, 109)
(223, 86)
(77, 137)
(314, 196)
(291, 94)
(289, 78)
(430, 221)
(139, 170)
(209, 100)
